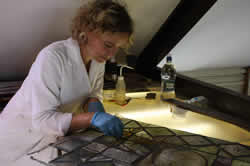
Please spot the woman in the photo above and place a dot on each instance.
(63, 90)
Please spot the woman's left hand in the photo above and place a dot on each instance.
(94, 105)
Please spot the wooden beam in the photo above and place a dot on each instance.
(246, 81)
(176, 26)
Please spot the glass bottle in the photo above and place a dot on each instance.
(168, 76)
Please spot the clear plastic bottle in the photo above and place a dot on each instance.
(120, 88)
(168, 76)
(120, 91)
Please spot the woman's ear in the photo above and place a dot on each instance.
(83, 37)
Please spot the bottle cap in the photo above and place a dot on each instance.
(169, 59)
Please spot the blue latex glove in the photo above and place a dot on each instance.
(110, 125)
(95, 106)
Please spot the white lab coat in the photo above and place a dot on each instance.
(40, 111)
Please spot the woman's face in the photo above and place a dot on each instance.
(102, 46)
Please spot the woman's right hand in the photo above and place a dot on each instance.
(110, 125)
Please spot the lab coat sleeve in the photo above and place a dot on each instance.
(97, 88)
(45, 75)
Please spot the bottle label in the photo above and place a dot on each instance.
(167, 85)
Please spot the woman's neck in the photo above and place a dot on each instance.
(85, 58)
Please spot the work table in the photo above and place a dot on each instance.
(145, 144)
(156, 132)
(165, 114)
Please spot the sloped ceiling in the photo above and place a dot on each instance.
(220, 39)
(27, 26)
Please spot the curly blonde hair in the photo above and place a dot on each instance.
(106, 15)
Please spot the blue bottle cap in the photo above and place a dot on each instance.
(169, 59)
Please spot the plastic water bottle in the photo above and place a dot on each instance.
(168, 76)
(199, 101)
(196, 99)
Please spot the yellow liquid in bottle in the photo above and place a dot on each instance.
(120, 97)
(168, 95)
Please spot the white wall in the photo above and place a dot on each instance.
(27, 26)
(220, 39)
